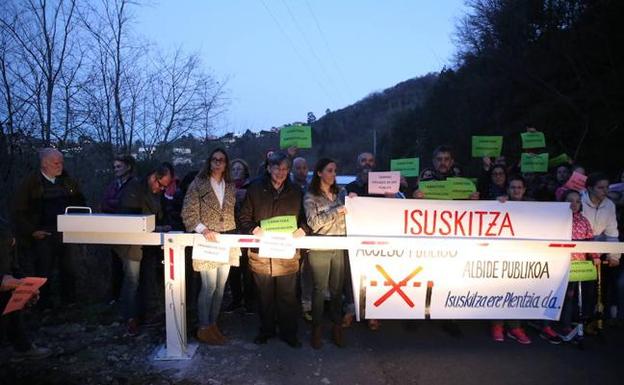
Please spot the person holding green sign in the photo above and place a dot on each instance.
(275, 278)
(208, 209)
(493, 182)
(325, 213)
(581, 231)
(515, 192)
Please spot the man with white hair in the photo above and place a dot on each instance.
(42, 196)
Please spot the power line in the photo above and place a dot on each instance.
(331, 54)
(294, 47)
(312, 50)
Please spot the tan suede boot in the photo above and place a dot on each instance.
(218, 334)
(206, 335)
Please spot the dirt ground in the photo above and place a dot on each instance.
(90, 347)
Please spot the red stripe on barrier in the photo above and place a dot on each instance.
(171, 265)
(416, 284)
(568, 245)
(248, 240)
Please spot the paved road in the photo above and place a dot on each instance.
(414, 352)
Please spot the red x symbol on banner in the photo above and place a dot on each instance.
(396, 286)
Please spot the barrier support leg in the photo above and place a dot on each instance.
(176, 346)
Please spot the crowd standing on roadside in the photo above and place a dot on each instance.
(224, 198)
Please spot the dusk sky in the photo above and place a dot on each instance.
(284, 58)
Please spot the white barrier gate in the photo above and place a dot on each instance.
(84, 229)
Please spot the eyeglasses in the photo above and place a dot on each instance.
(217, 160)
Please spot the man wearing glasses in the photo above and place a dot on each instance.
(139, 197)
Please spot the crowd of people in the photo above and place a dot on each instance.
(223, 197)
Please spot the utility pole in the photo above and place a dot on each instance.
(375, 143)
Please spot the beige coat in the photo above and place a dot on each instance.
(202, 206)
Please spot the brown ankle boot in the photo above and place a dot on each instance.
(337, 336)
(315, 340)
(206, 335)
(218, 334)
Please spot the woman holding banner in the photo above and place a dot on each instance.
(209, 210)
(325, 213)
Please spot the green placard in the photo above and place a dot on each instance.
(560, 159)
(534, 162)
(298, 135)
(281, 224)
(486, 146)
(533, 140)
(461, 188)
(407, 166)
(582, 271)
(436, 189)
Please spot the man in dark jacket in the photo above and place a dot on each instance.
(275, 278)
(42, 196)
(138, 197)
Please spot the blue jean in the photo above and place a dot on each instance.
(130, 296)
(211, 294)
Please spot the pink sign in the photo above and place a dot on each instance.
(23, 293)
(384, 182)
(576, 182)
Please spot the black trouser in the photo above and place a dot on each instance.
(46, 254)
(117, 275)
(570, 308)
(12, 325)
(151, 284)
(328, 273)
(277, 297)
(241, 282)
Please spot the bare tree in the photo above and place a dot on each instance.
(182, 99)
(43, 32)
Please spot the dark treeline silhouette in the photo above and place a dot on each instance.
(554, 65)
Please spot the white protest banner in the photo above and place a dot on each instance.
(277, 245)
(433, 280)
(210, 251)
(384, 182)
